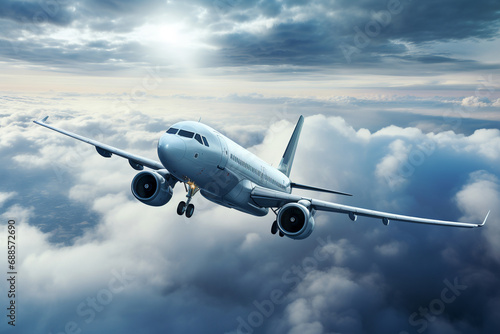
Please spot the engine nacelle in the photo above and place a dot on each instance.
(295, 221)
(151, 188)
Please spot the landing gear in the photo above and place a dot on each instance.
(274, 226)
(186, 207)
(181, 208)
(189, 210)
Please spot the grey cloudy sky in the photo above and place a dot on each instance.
(401, 100)
(378, 35)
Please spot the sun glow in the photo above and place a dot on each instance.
(171, 34)
(173, 43)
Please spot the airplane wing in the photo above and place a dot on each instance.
(136, 162)
(271, 198)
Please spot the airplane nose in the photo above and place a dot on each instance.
(171, 148)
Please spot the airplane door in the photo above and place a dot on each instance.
(225, 154)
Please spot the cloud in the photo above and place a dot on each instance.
(4, 197)
(234, 33)
(389, 249)
(84, 227)
(474, 101)
(340, 292)
(249, 69)
(390, 166)
(481, 194)
(30, 13)
(311, 34)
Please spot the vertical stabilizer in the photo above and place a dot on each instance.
(287, 160)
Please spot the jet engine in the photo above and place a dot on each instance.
(151, 188)
(295, 221)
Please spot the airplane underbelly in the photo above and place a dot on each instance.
(215, 181)
(238, 198)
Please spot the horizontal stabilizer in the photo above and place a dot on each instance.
(302, 186)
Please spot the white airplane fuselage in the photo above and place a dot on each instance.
(224, 171)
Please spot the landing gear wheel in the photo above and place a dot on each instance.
(181, 208)
(281, 234)
(274, 227)
(189, 210)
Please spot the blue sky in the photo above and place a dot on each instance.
(401, 103)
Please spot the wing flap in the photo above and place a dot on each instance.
(107, 151)
(305, 187)
(272, 199)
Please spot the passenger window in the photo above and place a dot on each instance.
(198, 138)
(205, 141)
(172, 130)
(187, 134)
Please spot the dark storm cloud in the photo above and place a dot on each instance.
(287, 43)
(426, 21)
(374, 28)
(429, 20)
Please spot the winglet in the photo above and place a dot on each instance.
(485, 218)
(42, 120)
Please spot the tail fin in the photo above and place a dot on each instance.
(287, 160)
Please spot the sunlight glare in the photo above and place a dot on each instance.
(174, 43)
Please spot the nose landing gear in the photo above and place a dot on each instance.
(186, 207)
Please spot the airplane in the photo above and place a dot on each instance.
(206, 161)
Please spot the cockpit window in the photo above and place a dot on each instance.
(187, 134)
(198, 138)
(172, 130)
(205, 141)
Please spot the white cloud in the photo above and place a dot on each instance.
(222, 259)
(390, 249)
(474, 101)
(480, 195)
(252, 240)
(389, 170)
(396, 131)
(331, 294)
(4, 197)
(485, 142)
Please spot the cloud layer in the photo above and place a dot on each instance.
(401, 103)
(130, 267)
